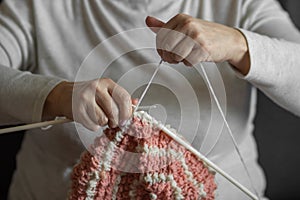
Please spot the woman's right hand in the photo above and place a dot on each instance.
(92, 103)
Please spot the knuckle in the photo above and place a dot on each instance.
(189, 23)
(180, 16)
(94, 128)
(195, 35)
(106, 81)
(94, 84)
(93, 88)
(83, 97)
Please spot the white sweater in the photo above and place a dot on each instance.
(43, 42)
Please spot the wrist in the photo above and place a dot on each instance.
(53, 106)
(240, 58)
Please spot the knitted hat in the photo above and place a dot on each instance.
(140, 162)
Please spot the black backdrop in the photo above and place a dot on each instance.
(277, 134)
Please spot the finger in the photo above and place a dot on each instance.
(175, 21)
(102, 119)
(179, 42)
(154, 24)
(97, 115)
(87, 122)
(192, 59)
(169, 26)
(171, 40)
(196, 56)
(169, 43)
(168, 57)
(161, 35)
(183, 49)
(91, 113)
(107, 104)
(135, 101)
(123, 101)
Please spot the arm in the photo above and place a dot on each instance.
(274, 49)
(191, 40)
(27, 97)
(265, 51)
(92, 103)
(21, 93)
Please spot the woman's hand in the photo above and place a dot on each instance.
(190, 40)
(92, 103)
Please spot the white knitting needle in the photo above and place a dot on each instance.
(34, 125)
(229, 129)
(208, 162)
(148, 86)
(51, 123)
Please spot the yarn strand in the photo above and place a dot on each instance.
(229, 131)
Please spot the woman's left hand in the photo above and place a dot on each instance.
(191, 40)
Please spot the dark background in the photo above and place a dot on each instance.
(277, 133)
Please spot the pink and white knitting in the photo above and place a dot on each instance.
(140, 162)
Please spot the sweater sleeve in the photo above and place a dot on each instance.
(22, 94)
(274, 47)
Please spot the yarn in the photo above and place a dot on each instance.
(140, 162)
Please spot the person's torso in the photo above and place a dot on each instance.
(68, 31)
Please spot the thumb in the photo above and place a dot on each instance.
(154, 24)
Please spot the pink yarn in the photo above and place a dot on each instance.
(159, 169)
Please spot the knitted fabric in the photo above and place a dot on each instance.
(140, 162)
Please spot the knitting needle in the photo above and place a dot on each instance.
(51, 123)
(208, 162)
(34, 125)
(229, 130)
(148, 85)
